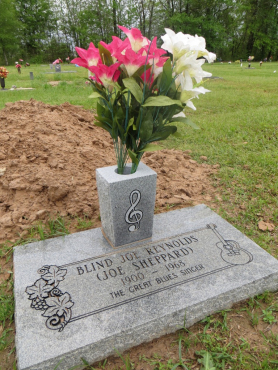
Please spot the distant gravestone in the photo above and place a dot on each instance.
(51, 66)
(76, 297)
(31, 76)
(57, 67)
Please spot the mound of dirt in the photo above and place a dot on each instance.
(48, 158)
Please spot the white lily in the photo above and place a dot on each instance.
(179, 44)
(174, 43)
(181, 114)
(188, 95)
(192, 68)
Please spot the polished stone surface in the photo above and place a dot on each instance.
(77, 298)
(126, 203)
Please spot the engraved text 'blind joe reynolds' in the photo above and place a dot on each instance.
(83, 288)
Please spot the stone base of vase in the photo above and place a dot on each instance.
(126, 204)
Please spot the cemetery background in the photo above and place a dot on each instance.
(236, 164)
(42, 30)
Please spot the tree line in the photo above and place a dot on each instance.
(40, 31)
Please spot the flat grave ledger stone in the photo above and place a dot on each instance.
(61, 72)
(76, 297)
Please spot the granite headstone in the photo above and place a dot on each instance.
(57, 67)
(77, 298)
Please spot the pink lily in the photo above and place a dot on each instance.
(116, 46)
(106, 75)
(131, 60)
(154, 58)
(137, 40)
(88, 58)
(148, 78)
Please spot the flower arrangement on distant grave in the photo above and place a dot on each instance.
(21, 60)
(18, 66)
(3, 72)
(58, 61)
(141, 91)
(27, 64)
(68, 59)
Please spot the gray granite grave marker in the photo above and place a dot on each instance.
(77, 297)
(57, 67)
(126, 203)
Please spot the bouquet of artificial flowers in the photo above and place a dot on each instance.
(57, 61)
(142, 91)
(3, 72)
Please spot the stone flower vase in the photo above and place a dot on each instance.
(2, 79)
(126, 203)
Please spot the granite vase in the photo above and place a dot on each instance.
(126, 204)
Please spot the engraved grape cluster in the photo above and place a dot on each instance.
(45, 296)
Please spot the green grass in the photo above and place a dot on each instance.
(71, 88)
(238, 131)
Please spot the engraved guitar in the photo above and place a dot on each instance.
(230, 250)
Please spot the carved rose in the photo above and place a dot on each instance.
(54, 275)
(58, 305)
(39, 290)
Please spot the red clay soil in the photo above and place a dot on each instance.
(48, 158)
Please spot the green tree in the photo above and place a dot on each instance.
(38, 20)
(10, 30)
(261, 27)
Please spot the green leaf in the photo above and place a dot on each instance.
(104, 114)
(133, 157)
(206, 361)
(140, 71)
(175, 366)
(105, 55)
(84, 361)
(104, 125)
(146, 128)
(134, 88)
(151, 148)
(177, 134)
(160, 101)
(95, 95)
(130, 123)
(186, 121)
(162, 133)
(166, 77)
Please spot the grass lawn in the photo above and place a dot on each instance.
(71, 87)
(238, 130)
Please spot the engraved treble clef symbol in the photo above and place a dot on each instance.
(134, 216)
